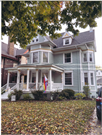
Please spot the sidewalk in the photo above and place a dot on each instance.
(96, 125)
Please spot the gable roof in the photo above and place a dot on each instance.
(80, 39)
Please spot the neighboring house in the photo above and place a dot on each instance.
(68, 62)
(99, 77)
(10, 57)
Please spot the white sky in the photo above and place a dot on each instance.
(98, 37)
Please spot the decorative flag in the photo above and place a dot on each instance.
(61, 4)
(45, 83)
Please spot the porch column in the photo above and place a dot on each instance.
(27, 79)
(62, 79)
(36, 79)
(50, 73)
(18, 79)
(8, 77)
(30, 76)
(22, 81)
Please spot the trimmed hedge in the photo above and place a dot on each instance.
(38, 94)
(67, 93)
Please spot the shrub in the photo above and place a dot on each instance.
(38, 94)
(2, 90)
(18, 94)
(86, 91)
(55, 95)
(9, 95)
(79, 95)
(67, 93)
(26, 96)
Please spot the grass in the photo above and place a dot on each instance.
(61, 117)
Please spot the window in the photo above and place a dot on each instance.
(86, 78)
(35, 57)
(67, 41)
(85, 57)
(91, 78)
(45, 56)
(36, 40)
(68, 78)
(32, 40)
(67, 57)
(90, 57)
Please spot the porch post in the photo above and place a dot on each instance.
(36, 79)
(50, 73)
(8, 77)
(22, 81)
(62, 79)
(27, 79)
(18, 79)
(30, 76)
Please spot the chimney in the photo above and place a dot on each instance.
(10, 47)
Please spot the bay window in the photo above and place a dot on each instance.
(35, 57)
(89, 78)
(45, 57)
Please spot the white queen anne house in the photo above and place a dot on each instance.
(68, 62)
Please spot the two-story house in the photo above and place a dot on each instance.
(99, 77)
(68, 62)
(10, 57)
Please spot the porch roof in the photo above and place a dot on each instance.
(34, 67)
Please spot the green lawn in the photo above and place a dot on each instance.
(61, 117)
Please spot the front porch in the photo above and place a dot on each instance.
(32, 78)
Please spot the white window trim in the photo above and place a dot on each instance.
(89, 78)
(64, 78)
(32, 58)
(42, 57)
(64, 58)
(93, 78)
(88, 54)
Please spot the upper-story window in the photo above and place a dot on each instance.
(45, 56)
(66, 41)
(67, 57)
(35, 57)
(88, 57)
(85, 57)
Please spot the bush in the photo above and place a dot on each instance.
(55, 95)
(9, 95)
(79, 95)
(26, 96)
(86, 91)
(2, 90)
(38, 94)
(67, 93)
(18, 94)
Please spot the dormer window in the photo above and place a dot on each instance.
(36, 40)
(67, 41)
(67, 38)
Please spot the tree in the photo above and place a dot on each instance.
(23, 20)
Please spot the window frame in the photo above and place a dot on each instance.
(38, 57)
(88, 56)
(42, 56)
(64, 58)
(71, 76)
(89, 78)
